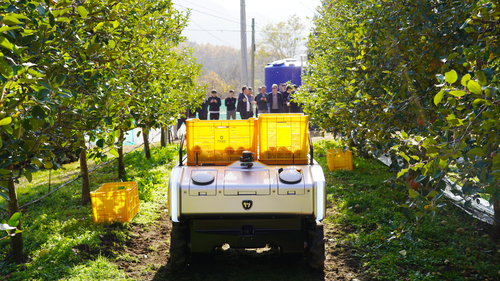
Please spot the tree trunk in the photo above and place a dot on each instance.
(84, 170)
(163, 140)
(496, 222)
(16, 242)
(121, 165)
(145, 138)
(169, 137)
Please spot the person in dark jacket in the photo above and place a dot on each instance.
(275, 100)
(261, 100)
(284, 95)
(214, 104)
(230, 103)
(203, 110)
(244, 106)
(292, 104)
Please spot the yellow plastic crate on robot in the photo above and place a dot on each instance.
(219, 142)
(283, 138)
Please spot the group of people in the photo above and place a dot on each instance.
(276, 101)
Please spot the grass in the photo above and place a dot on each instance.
(60, 238)
(363, 224)
(450, 246)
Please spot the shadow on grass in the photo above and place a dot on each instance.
(239, 264)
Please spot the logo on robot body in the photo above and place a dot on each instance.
(247, 204)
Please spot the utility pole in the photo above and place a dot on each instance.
(252, 58)
(243, 31)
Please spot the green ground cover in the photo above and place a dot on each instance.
(364, 208)
(362, 227)
(55, 228)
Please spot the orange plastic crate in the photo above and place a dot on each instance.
(283, 138)
(115, 201)
(219, 142)
(337, 159)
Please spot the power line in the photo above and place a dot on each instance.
(234, 30)
(205, 8)
(205, 29)
(305, 6)
(209, 14)
(210, 33)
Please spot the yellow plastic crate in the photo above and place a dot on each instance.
(115, 201)
(337, 159)
(283, 138)
(219, 142)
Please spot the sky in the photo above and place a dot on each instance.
(218, 21)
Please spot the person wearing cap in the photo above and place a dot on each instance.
(275, 100)
(284, 95)
(214, 104)
(230, 103)
(261, 100)
(291, 102)
(282, 88)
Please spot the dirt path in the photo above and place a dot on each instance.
(145, 257)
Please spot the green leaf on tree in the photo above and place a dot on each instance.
(420, 178)
(14, 220)
(10, 20)
(496, 159)
(59, 79)
(5, 69)
(474, 87)
(92, 48)
(465, 79)
(438, 97)
(8, 129)
(402, 172)
(476, 151)
(82, 11)
(28, 175)
(413, 193)
(6, 43)
(38, 112)
(37, 162)
(451, 76)
(457, 93)
(491, 189)
(432, 194)
(437, 174)
(114, 152)
(5, 121)
(100, 143)
(405, 156)
(483, 101)
(4, 196)
(41, 10)
(481, 77)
